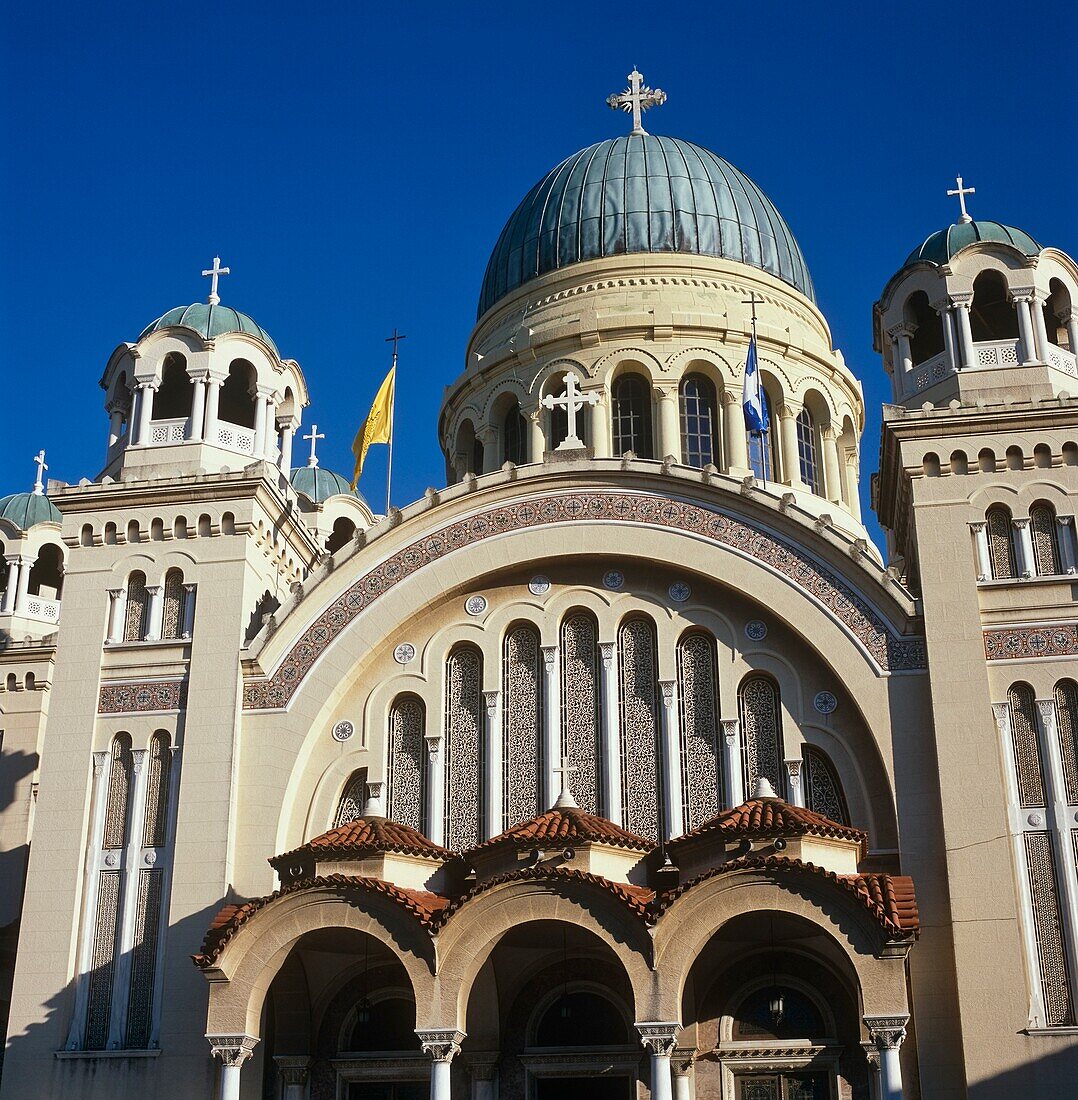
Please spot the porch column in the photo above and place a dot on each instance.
(671, 759)
(23, 587)
(13, 570)
(980, 542)
(551, 723)
(887, 1033)
(737, 444)
(731, 760)
(233, 1050)
(965, 332)
(293, 1071)
(117, 612)
(188, 625)
(794, 787)
(901, 358)
(494, 762)
(1065, 537)
(156, 592)
(145, 412)
(608, 651)
(1026, 561)
(441, 1044)
(660, 1039)
(196, 424)
(213, 400)
(682, 1064)
(1027, 349)
(435, 788)
(669, 424)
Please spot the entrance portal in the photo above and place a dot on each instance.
(783, 1086)
(583, 1088)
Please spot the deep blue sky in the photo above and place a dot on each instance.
(354, 164)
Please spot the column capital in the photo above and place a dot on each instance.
(667, 688)
(902, 329)
(887, 1031)
(872, 1056)
(1021, 295)
(440, 1043)
(233, 1050)
(659, 1037)
(265, 392)
(962, 300)
(730, 730)
(153, 589)
(606, 653)
(550, 656)
(681, 1061)
(1047, 708)
(293, 1069)
(115, 593)
(1001, 712)
(491, 699)
(1064, 521)
(189, 586)
(793, 768)
(434, 744)
(1021, 523)
(977, 526)
(100, 760)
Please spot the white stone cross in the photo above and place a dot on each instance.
(573, 400)
(636, 99)
(962, 192)
(39, 483)
(215, 272)
(565, 798)
(314, 437)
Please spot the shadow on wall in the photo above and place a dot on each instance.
(1051, 1074)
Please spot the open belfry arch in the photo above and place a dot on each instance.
(622, 765)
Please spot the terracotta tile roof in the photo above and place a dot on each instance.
(424, 906)
(894, 895)
(761, 818)
(366, 835)
(565, 826)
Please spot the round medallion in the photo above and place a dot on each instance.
(614, 579)
(111, 859)
(404, 653)
(756, 630)
(679, 591)
(150, 857)
(825, 702)
(475, 605)
(1036, 820)
(343, 730)
(539, 586)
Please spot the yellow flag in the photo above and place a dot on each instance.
(378, 425)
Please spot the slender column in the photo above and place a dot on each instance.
(435, 788)
(671, 759)
(1026, 567)
(156, 592)
(491, 452)
(145, 412)
(136, 416)
(901, 356)
(261, 414)
(669, 425)
(600, 427)
(731, 759)
(538, 440)
(791, 455)
(980, 543)
(832, 481)
(737, 444)
(660, 1040)
(22, 588)
(1026, 347)
(608, 651)
(1040, 329)
(949, 341)
(887, 1033)
(681, 1062)
(187, 627)
(288, 431)
(117, 613)
(1070, 319)
(13, 570)
(494, 762)
(213, 401)
(293, 1070)
(794, 787)
(853, 480)
(872, 1057)
(196, 425)
(441, 1044)
(1065, 538)
(965, 332)
(551, 722)
(233, 1050)
(116, 423)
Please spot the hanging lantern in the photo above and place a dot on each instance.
(363, 1010)
(776, 1006)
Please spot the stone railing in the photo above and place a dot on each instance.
(167, 431)
(928, 373)
(40, 608)
(996, 353)
(234, 438)
(1062, 360)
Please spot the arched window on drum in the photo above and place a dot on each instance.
(764, 449)
(405, 756)
(761, 731)
(515, 436)
(465, 766)
(631, 416)
(1066, 697)
(698, 702)
(822, 786)
(700, 442)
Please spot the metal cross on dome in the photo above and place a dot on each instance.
(214, 273)
(636, 99)
(573, 400)
(314, 437)
(39, 481)
(962, 192)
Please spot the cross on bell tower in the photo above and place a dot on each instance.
(636, 99)
(962, 192)
(214, 273)
(39, 481)
(314, 436)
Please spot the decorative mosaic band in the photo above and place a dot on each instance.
(1015, 642)
(142, 697)
(889, 650)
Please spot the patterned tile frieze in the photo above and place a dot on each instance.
(1044, 640)
(146, 696)
(889, 650)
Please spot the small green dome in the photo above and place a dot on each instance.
(27, 509)
(318, 484)
(210, 321)
(946, 243)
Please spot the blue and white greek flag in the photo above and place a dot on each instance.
(753, 402)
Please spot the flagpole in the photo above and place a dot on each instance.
(759, 388)
(395, 339)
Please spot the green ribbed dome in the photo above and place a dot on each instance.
(944, 244)
(210, 321)
(318, 484)
(27, 509)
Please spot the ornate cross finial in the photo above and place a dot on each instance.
(636, 99)
(314, 437)
(565, 798)
(395, 339)
(39, 481)
(573, 400)
(214, 273)
(962, 192)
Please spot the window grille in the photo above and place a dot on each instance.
(1048, 929)
(580, 728)
(698, 703)
(1042, 530)
(103, 960)
(1066, 695)
(522, 749)
(699, 422)
(515, 434)
(155, 821)
(353, 798)
(138, 607)
(1029, 774)
(763, 449)
(761, 727)
(144, 958)
(807, 452)
(1000, 544)
(172, 617)
(640, 783)
(632, 416)
(823, 788)
(464, 748)
(119, 792)
(406, 775)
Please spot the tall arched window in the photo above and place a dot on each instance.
(698, 700)
(138, 606)
(1000, 543)
(477, 456)
(515, 436)
(173, 398)
(155, 818)
(406, 752)
(522, 725)
(1042, 530)
(927, 327)
(807, 451)
(353, 798)
(761, 731)
(1066, 694)
(763, 449)
(464, 763)
(47, 573)
(700, 442)
(992, 315)
(631, 416)
(237, 401)
(172, 617)
(823, 788)
(580, 728)
(1029, 774)
(639, 668)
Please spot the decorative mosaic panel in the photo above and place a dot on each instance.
(1066, 694)
(1000, 543)
(138, 607)
(102, 961)
(701, 758)
(144, 959)
(640, 783)
(1029, 775)
(141, 698)
(758, 701)
(155, 822)
(823, 789)
(1011, 643)
(172, 615)
(407, 752)
(1048, 928)
(119, 793)
(522, 703)
(464, 749)
(887, 649)
(1042, 530)
(580, 725)
(353, 799)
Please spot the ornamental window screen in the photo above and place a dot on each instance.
(1048, 929)
(353, 798)
(631, 416)
(119, 793)
(698, 704)
(522, 755)
(1000, 543)
(1029, 773)
(699, 422)
(144, 958)
(823, 788)
(138, 608)
(159, 766)
(580, 728)
(1066, 696)
(1042, 531)
(172, 616)
(405, 773)
(464, 748)
(763, 448)
(515, 436)
(807, 451)
(761, 728)
(638, 667)
(102, 960)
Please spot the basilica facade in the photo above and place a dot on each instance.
(624, 764)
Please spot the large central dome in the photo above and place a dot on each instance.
(641, 193)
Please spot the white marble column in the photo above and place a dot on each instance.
(1070, 319)
(117, 614)
(949, 341)
(681, 1062)
(156, 592)
(23, 586)
(887, 1033)
(187, 627)
(671, 759)
(441, 1044)
(737, 443)
(1026, 561)
(1065, 538)
(1040, 329)
(791, 453)
(832, 481)
(965, 331)
(795, 789)
(669, 425)
(538, 440)
(551, 724)
(262, 409)
(435, 788)
(7, 607)
(197, 423)
(288, 431)
(901, 357)
(980, 543)
(493, 800)
(213, 400)
(233, 1050)
(1027, 346)
(600, 427)
(146, 391)
(731, 761)
(660, 1040)
(116, 423)
(608, 652)
(293, 1071)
